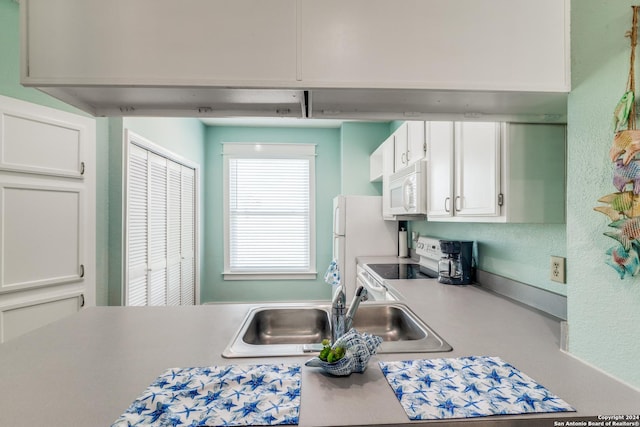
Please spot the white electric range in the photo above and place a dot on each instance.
(378, 277)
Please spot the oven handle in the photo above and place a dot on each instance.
(369, 282)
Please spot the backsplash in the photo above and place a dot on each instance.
(517, 251)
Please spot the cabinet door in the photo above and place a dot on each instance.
(26, 316)
(439, 137)
(437, 44)
(415, 141)
(166, 42)
(41, 145)
(477, 166)
(401, 136)
(388, 166)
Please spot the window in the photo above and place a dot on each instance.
(270, 211)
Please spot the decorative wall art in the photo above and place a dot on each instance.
(623, 206)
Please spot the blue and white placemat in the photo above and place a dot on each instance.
(466, 387)
(232, 395)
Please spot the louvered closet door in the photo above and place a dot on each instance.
(138, 235)
(157, 230)
(188, 236)
(161, 256)
(174, 240)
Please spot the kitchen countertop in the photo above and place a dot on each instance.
(86, 370)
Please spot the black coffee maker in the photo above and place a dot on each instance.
(456, 265)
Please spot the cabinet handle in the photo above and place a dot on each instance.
(457, 204)
(446, 204)
(408, 155)
(81, 270)
(403, 158)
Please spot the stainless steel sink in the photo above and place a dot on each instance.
(296, 329)
(269, 326)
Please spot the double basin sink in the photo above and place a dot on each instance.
(295, 329)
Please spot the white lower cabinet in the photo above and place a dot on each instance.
(18, 318)
(496, 172)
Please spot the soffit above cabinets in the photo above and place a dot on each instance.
(422, 104)
(182, 102)
(340, 104)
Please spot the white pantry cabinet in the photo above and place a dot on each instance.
(496, 172)
(47, 215)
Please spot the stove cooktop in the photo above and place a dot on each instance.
(401, 271)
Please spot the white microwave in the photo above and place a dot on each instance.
(407, 190)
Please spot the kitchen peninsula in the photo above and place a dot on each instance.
(86, 370)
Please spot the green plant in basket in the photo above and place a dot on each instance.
(329, 354)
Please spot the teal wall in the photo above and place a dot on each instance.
(357, 141)
(604, 311)
(214, 288)
(182, 136)
(518, 251)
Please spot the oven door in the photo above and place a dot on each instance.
(376, 290)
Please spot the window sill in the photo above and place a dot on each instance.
(311, 275)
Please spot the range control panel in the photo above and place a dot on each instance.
(428, 247)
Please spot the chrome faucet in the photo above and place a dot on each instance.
(341, 318)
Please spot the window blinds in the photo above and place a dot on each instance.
(270, 213)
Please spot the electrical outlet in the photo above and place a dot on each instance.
(558, 269)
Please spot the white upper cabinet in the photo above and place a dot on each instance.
(409, 144)
(433, 44)
(463, 178)
(361, 59)
(496, 172)
(477, 169)
(436, 44)
(439, 137)
(161, 42)
(388, 156)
